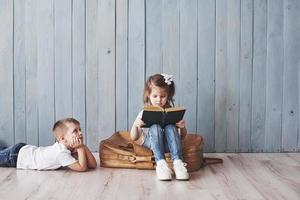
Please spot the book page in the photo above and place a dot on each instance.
(174, 109)
(153, 108)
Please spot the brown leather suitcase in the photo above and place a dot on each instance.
(120, 151)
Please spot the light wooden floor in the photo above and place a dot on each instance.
(241, 176)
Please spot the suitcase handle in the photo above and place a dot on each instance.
(135, 159)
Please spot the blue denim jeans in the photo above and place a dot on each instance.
(161, 141)
(9, 156)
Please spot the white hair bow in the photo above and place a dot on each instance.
(168, 78)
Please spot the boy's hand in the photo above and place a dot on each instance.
(76, 143)
(80, 136)
(181, 124)
(138, 123)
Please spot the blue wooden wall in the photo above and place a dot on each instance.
(235, 62)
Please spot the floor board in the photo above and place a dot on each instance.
(241, 176)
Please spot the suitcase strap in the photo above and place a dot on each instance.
(210, 161)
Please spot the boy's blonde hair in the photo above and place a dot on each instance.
(158, 80)
(60, 127)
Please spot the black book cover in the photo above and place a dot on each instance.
(156, 115)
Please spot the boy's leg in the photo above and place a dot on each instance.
(173, 141)
(14, 153)
(5, 157)
(8, 156)
(2, 147)
(155, 141)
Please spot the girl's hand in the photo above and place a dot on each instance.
(181, 124)
(138, 123)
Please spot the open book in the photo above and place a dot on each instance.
(157, 115)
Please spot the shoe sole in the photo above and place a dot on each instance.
(182, 179)
(165, 179)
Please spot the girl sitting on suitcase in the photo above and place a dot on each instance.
(159, 91)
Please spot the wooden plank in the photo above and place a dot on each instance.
(171, 42)
(187, 84)
(6, 73)
(136, 58)
(265, 175)
(19, 72)
(45, 68)
(245, 76)
(274, 77)
(121, 65)
(154, 37)
(206, 72)
(259, 76)
(221, 77)
(92, 86)
(31, 34)
(240, 186)
(106, 67)
(63, 58)
(233, 68)
(241, 176)
(78, 62)
(290, 78)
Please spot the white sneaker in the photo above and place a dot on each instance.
(163, 172)
(180, 170)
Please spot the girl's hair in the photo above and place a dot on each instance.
(158, 80)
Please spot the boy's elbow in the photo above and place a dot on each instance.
(82, 169)
(77, 167)
(92, 165)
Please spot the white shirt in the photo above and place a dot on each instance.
(44, 158)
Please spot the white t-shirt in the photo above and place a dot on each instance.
(44, 158)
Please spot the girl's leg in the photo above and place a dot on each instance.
(155, 141)
(174, 144)
(173, 141)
